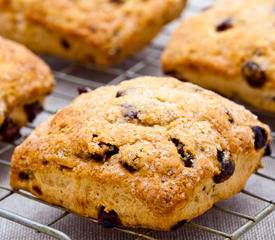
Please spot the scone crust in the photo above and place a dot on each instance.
(24, 79)
(86, 31)
(212, 49)
(116, 147)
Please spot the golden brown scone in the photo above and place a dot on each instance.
(230, 49)
(25, 80)
(102, 32)
(149, 152)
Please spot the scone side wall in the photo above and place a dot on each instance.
(240, 67)
(148, 149)
(79, 196)
(94, 38)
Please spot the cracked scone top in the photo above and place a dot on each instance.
(149, 152)
(96, 31)
(228, 48)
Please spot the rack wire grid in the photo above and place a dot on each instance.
(69, 76)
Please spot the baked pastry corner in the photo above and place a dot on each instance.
(149, 152)
(94, 31)
(228, 48)
(25, 80)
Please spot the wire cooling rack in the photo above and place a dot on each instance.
(69, 76)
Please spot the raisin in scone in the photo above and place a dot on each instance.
(25, 80)
(230, 49)
(150, 152)
(102, 32)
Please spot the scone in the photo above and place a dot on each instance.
(150, 152)
(230, 49)
(102, 32)
(25, 80)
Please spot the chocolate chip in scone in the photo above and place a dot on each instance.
(83, 90)
(254, 74)
(65, 44)
(37, 190)
(32, 110)
(24, 175)
(108, 219)
(225, 24)
(178, 225)
(186, 156)
(227, 166)
(120, 93)
(267, 151)
(9, 130)
(230, 117)
(260, 137)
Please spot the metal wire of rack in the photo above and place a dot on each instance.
(69, 75)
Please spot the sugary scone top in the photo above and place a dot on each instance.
(150, 134)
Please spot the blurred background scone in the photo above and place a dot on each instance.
(228, 48)
(96, 31)
(150, 152)
(25, 80)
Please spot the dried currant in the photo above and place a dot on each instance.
(268, 150)
(93, 28)
(260, 137)
(178, 225)
(45, 162)
(37, 190)
(9, 130)
(108, 219)
(32, 110)
(112, 150)
(224, 25)
(109, 151)
(220, 155)
(97, 157)
(83, 90)
(230, 117)
(186, 156)
(130, 113)
(254, 74)
(117, 1)
(130, 168)
(65, 44)
(227, 167)
(120, 93)
(24, 176)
